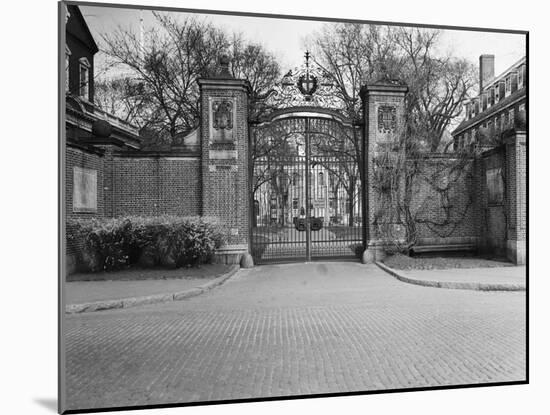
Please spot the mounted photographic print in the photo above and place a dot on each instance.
(258, 207)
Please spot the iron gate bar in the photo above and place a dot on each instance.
(308, 196)
(281, 197)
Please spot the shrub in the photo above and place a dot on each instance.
(103, 244)
(172, 241)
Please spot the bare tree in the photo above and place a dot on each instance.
(124, 98)
(355, 55)
(438, 85)
(167, 65)
(172, 57)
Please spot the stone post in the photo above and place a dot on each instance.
(516, 191)
(225, 158)
(384, 115)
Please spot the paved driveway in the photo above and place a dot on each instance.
(295, 329)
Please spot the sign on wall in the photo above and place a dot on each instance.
(84, 190)
(495, 186)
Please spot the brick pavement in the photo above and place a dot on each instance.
(295, 329)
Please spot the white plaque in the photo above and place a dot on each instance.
(84, 190)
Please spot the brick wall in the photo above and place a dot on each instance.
(443, 201)
(156, 185)
(77, 156)
(502, 226)
(494, 217)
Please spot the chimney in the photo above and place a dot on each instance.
(486, 70)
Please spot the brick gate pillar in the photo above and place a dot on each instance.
(384, 115)
(224, 153)
(516, 194)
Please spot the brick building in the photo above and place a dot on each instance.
(500, 103)
(495, 128)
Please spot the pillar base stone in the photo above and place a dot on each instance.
(372, 254)
(247, 261)
(516, 252)
(230, 254)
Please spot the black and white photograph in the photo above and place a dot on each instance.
(258, 207)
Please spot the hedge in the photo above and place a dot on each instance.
(170, 241)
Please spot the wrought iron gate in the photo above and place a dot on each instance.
(306, 201)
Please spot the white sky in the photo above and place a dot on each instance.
(285, 37)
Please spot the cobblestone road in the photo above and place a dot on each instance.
(295, 329)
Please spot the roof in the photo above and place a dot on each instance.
(75, 13)
(464, 125)
(504, 73)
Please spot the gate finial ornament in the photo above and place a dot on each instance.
(223, 62)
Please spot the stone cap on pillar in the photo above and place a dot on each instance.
(385, 84)
(223, 79)
(514, 136)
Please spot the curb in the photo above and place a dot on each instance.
(476, 286)
(149, 299)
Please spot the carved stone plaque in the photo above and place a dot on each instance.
(387, 118)
(222, 120)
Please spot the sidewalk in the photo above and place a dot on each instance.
(482, 279)
(86, 296)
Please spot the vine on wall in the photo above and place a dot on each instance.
(402, 173)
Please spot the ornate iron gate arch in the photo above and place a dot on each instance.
(305, 173)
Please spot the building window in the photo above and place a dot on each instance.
(84, 78)
(520, 77)
(497, 90)
(508, 85)
(522, 108)
(511, 117)
(67, 61)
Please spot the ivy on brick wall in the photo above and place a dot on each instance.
(416, 190)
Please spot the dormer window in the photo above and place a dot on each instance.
(520, 77)
(84, 78)
(67, 61)
(508, 85)
(497, 90)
